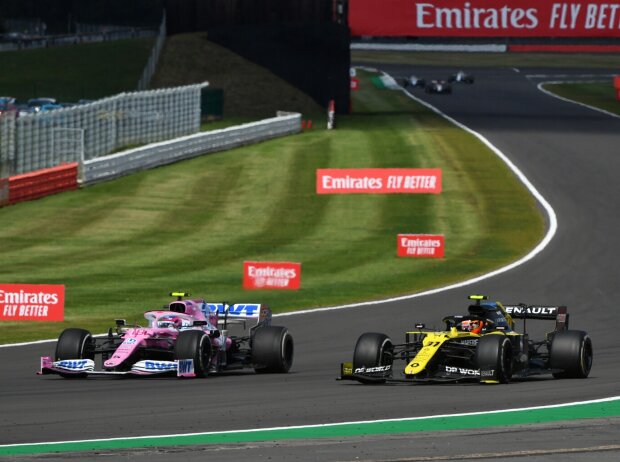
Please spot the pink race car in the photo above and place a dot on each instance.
(188, 338)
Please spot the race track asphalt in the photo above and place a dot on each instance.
(572, 156)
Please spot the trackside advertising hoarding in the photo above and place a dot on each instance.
(32, 302)
(485, 18)
(378, 181)
(420, 245)
(271, 275)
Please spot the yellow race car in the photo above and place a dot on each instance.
(482, 345)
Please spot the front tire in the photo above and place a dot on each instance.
(272, 350)
(195, 345)
(75, 343)
(494, 352)
(371, 350)
(571, 352)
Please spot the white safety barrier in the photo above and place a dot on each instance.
(155, 155)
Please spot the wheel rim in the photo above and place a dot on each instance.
(586, 356)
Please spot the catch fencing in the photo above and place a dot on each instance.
(81, 133)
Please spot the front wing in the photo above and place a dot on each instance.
(384, 374)
(86, 367)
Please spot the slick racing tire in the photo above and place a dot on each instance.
(195, 345)
(494, 352)
(272, 350)
(371, 350)
(572, 353)
(74, 343)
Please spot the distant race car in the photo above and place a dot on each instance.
(438, 86)
(481, 346)
(414, 81)
(461, 77)
(188, 338)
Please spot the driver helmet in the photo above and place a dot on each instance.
(169, 321)
(474, 326)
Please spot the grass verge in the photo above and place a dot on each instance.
(119, 247)
(601, 95)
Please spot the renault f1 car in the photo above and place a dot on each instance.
(438, 86)
(482, 345)
(187, 338)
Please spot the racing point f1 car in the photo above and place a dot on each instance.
(187, 338)
(481, 346)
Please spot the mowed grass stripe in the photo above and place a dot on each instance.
(119, 247)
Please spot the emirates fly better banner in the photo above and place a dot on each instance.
(485, 18)
(271, 275)
(378, 180)
(32, 302)
(420, 245)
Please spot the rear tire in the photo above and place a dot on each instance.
(272, 350)
(571, 351)
(75, 343)
(371, 350)
(195, 345)
(494, 352)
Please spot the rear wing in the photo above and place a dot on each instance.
(551, 313)
(239, 312)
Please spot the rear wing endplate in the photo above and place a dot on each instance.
(557, 313)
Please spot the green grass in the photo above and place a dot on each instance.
(119, 247)
(74, 72)
(601, 95)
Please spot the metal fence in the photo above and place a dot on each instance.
(151, 65)
(35, 141)
(75, 39)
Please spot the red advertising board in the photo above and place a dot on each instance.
(485, 18)
(32, 302)
(271, 275)
(355, 84)
(378, 181)
(420, 245)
